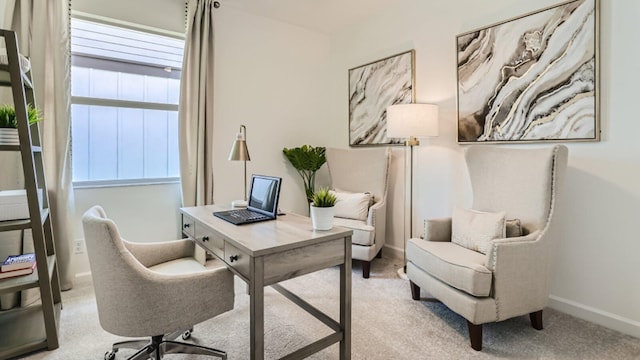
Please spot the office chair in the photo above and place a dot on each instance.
(152, 289)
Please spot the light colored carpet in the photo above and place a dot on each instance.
(387, 324)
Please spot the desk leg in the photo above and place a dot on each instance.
(256, 289)
(345, 301)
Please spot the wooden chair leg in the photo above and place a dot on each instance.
(475, 335)
(366, 268)
(379, 254)
(536, 319)
(415, 290)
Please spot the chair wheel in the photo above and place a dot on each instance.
(109, 355)
(185, 336)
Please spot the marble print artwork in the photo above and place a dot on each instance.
(372, 88)
(532, 78)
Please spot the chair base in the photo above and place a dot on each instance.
(161, 345)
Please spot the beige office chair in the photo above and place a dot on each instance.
(355, 173)
(152, 289)
(473, 263)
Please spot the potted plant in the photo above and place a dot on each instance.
(322, 209)
(307, 160)
(9, 123)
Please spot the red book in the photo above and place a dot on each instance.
(19, 272)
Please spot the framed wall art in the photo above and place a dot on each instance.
(531, 78)
(373, 87)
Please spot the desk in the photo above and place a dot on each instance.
(265, 253)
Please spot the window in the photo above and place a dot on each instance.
(125, 86)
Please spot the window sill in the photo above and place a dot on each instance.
(124, 183)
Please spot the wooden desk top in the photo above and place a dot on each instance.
(288, 231)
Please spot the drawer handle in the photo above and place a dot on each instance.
(186, 226)
(233, 258)
(205, 238)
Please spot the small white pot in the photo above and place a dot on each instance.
(9, 136)
(321, 217)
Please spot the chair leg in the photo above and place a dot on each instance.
(175, 347)
(475, 335)
(536, 319)
(379, 254)
(366, 269)
(415, 290)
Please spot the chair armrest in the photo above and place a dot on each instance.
(437, 229)
(376, 212)
(150, 254)
(521, 269)
(376, 218)
(205, 294)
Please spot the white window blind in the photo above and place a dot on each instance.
(125, 90)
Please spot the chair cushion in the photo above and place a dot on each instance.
(352, 205)
(475, 229)
(363, 234)
(179, 266)
(452, 264)
(513, 228)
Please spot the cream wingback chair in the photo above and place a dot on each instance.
(360, 179)
(493, 262)
(152, 289)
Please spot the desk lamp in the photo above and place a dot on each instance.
(411, 121)
(239, 152)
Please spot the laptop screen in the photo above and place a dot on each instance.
(264, 194)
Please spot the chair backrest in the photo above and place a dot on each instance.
(522, 182)
(115, 272)
(360, 170)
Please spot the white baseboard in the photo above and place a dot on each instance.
(604, 318)
(393, 252)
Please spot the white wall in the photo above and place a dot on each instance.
(271, 77)
(596, 268)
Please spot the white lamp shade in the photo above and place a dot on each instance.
(407, 120)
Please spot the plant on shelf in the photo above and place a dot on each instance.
(307, 160)
(9, 120)
(323, 198)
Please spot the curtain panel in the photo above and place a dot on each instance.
(196, 106)
(43, 36)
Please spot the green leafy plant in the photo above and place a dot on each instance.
(323, 198)
(307, 160)
(8, 116)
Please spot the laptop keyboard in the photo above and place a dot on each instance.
(246, 215)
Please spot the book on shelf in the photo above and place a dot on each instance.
(19, 272)
(17, 262)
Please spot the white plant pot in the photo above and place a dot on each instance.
(9, 136)
(321, 217)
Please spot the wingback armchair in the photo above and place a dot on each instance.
(360, 179)
(506, 273)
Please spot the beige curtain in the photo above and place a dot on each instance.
(43, 31)
(196, 106)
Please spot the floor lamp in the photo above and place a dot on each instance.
(240, 152)
(411, 121)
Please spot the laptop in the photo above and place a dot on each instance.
(263, 202)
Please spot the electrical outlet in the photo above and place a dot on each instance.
(79, 246)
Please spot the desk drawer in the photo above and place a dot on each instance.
(210, 241)
(188, 225)
(237, 259)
